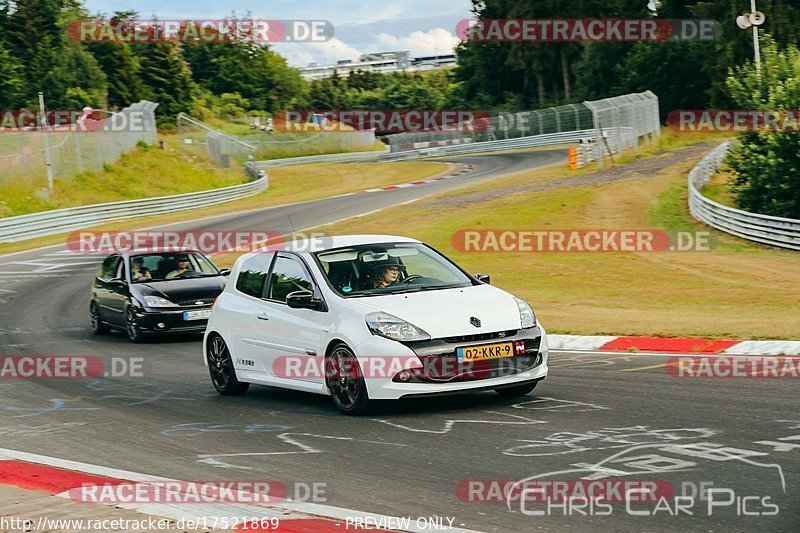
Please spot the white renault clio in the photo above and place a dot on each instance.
(369, 317)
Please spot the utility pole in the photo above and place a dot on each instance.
(755, 19)
(47, 155)
(756, 47)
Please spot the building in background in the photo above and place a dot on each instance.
(396, 61)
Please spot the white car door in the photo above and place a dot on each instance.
(244, 314)
(290, 340)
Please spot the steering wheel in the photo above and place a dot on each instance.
(411, 278)
(184, 274)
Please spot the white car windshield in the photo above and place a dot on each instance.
(389, 268)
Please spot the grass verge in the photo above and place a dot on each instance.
(145, 172)
(287, 185)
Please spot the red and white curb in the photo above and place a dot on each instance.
(605, 343)
(58, 476)
(463, 170)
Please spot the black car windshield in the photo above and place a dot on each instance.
(170, 266)
(389, 268)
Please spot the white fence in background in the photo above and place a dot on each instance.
(22, 154)
(774, 231)
(550, 139)
(615, 124)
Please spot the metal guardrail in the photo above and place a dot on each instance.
(765, 229)
(347, 157)
(18, 228)
(533, 141)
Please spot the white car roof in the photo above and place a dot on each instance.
(320, 244)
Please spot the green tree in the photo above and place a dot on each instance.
(117, 61)
(766, 166)
(11, 80)
(166, 79)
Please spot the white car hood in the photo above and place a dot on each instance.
(447, 312)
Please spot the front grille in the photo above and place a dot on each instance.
(447, 369)
(481, 336)
(193, 302)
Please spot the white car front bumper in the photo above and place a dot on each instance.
(381, 386)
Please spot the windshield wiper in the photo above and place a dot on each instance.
(372, 292)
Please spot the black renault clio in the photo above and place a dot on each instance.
(144, 292)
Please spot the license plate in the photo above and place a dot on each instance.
(197, 315)
(485, 351)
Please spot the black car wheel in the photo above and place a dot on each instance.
(132, 326)
(98, 326)
(220, 366)
(517, 390)
(346, 382)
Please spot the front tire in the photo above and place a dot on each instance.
(132, 328)
(98, 326)
(346, 382)
(220, 366)
(517, 390)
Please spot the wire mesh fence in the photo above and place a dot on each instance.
(199, 138)
(73, 150)
(618, 123)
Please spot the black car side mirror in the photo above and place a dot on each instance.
(225, 271)
(484, 278)
(303, 300)
(116, 282)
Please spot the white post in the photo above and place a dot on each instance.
(47, 156)
(756, 47)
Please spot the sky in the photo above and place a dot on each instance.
(423, 27)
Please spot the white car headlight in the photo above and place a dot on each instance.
(394, 328)
(526, 315)
(158, 301)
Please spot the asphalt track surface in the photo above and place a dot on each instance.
(600, 416)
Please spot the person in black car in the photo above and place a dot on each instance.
(139, 272)
(183, 266)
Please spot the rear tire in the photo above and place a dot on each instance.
(98, 326)
(220, 366)
(346, 382)
(517, 390)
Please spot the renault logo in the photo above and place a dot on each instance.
(474, 321)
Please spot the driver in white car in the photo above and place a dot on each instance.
(385, 274)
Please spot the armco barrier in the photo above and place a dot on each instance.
(23, 227)
(347, 157)
(533, 141)
(774, 231)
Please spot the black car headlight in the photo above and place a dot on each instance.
(158, 301)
